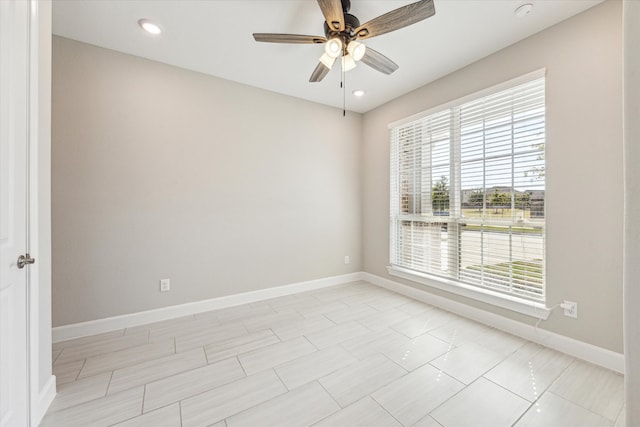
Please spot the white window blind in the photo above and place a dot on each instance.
(468, 189)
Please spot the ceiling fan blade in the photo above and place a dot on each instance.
(287, 38)
(396, 19)
(378, 61)
(333, 14)
(319, 73)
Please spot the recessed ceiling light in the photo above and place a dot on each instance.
(523, 10)
(358, 92)
(150, 27)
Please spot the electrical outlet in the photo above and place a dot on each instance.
(347, 260)
(165, 285)
(570, 309)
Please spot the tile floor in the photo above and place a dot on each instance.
(349, 355)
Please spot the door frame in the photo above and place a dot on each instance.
(40, 383)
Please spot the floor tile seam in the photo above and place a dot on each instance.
(515, 350)
(281, 342)
(516, 394)
(428, 362)
(206, 356)
(309, 341)
(582, 407)
(242, 353)
(377, 352)
(386, 410)
(145, 398)
(282, 381)
(149, 381)
(244, 371)
(341, 345)
(110, 352)
(464, 387)
(81, 403)
(406, 371)
(566, 368)
(144, 394)
(358, 321)
(182, 373)
(61, 343)
(257, 404)
(53, 362)
(332, 398)
(539, 395)
(282, 363)
(203, 344)
(319, 378)
(84, 362)
(530, 404)
(105, 396)
(81, 356)
(468, 343)
(526, 411)
(450, 347)
(483, 345)
(562, 371)
(191, 396)
(123, 365)
(359, 361)
(130, 418)
(248, 334)
(106, 392)
(169, 403)
(620, 412)
(501, 359)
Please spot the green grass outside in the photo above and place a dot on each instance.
(496, 228)
(526, 273)
(499, 213)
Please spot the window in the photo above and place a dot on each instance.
(468, 193)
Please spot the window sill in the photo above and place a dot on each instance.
(519, 305)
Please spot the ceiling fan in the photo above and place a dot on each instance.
(343, 30)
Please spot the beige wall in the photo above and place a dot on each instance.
(161, 172)
(582, 57)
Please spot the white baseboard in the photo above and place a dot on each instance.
(92, 327)
(579, 349)
(45, 397)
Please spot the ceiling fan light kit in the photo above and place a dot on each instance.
(327, 60)
(333, 47)
(342, 30)
(356, 50)
(348, 63)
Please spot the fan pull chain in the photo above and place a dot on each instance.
(343, 85)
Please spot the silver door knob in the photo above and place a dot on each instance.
(24, 260)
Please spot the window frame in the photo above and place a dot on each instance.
(509, 301)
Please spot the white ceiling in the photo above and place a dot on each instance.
(215, 37)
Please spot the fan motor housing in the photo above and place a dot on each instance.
(350, 24)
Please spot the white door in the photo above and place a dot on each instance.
(14, 136)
